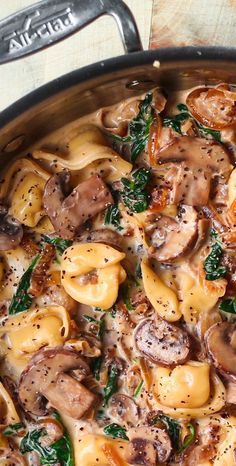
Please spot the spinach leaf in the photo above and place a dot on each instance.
(125, 295)
(100, 323)
(190, 437)
(134, 195)
(115, 431)
(21, 300)
(60, 244)
(175, 121)
(112, 216)
(111, 386)
(59, 452)
(96, 367)
(212, 263)
(228, 305)
(12, 429)
(173, 428)
(139, 127)
(138, 389)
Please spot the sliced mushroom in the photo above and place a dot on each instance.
(11, 231)
(39, 274)
(200, 161)
(147, 446)
(47, 376)
(67, 214)
(124, 409)
(12, 458)
(53, 431)
(105, 235)
(171, 238)
(221, 345)
(162, 342)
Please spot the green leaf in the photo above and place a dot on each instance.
(60, 244)
(12, 429)
(139, 128)
(173, 427)
(112, 385)
(21, 300)
(125, 294)
(228, 305)
(190, 437)
(115, 431)
(134, 195)
(101, 325)
(138, 389)
(96, 367)
(112, 216)
(212, 263)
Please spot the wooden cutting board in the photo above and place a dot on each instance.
(193, 22)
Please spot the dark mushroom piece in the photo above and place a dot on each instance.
(104, 235)
(221, 346)
(68, 212)
(11, 231)
(171, 238)
(199, 162)
(162, 342)
(147, 446)
(124, 409)
(11, 457)
(48, 376)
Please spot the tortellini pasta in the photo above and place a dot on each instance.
(162, 297)
(88, 151)
(23, 185)
(232, 188)
(8, 413)
(91, 274)
(91, 448)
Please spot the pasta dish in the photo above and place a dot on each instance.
(118, 287)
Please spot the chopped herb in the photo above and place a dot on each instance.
(134, 194)
(111, 386)
(60, 244)
(228, 305)
(112, 216)
(138, 389)
(175, 121)
(21, 300)
(12, 429)
(212, 263)
(96, 367)
(115, 431)
(100, 323)
(125, 294)
(190, 437)
(138, 272)
(60, 452)
(139, 128)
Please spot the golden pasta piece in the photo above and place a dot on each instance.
(91, 446)
(8, 414)
(180, 387)
(23, 186)
(88, 149)
(232, 188)
(91, 274)
(161, 296)
(225, 454)
(214, 403)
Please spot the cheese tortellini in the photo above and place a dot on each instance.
(8, 413)
(92, 446)
(23, 185)
(91, 274)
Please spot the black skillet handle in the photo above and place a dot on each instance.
(50, 21)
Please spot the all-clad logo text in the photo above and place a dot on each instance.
(35, 28)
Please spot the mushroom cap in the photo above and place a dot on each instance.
(171, 238)
(124, 408)
(86, 200)
(162, 342)
(11, 231)
(221, 345)
(147, 446)
(46, 377)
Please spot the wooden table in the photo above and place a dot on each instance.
(173, 22)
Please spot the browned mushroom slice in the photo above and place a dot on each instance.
(199, 160)
(162, 342)
(47, 376)
(221, 346)
(124, 409)
(67, 214)
(148, 446)
(11, 231)
(171, 238)
(104, 235)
